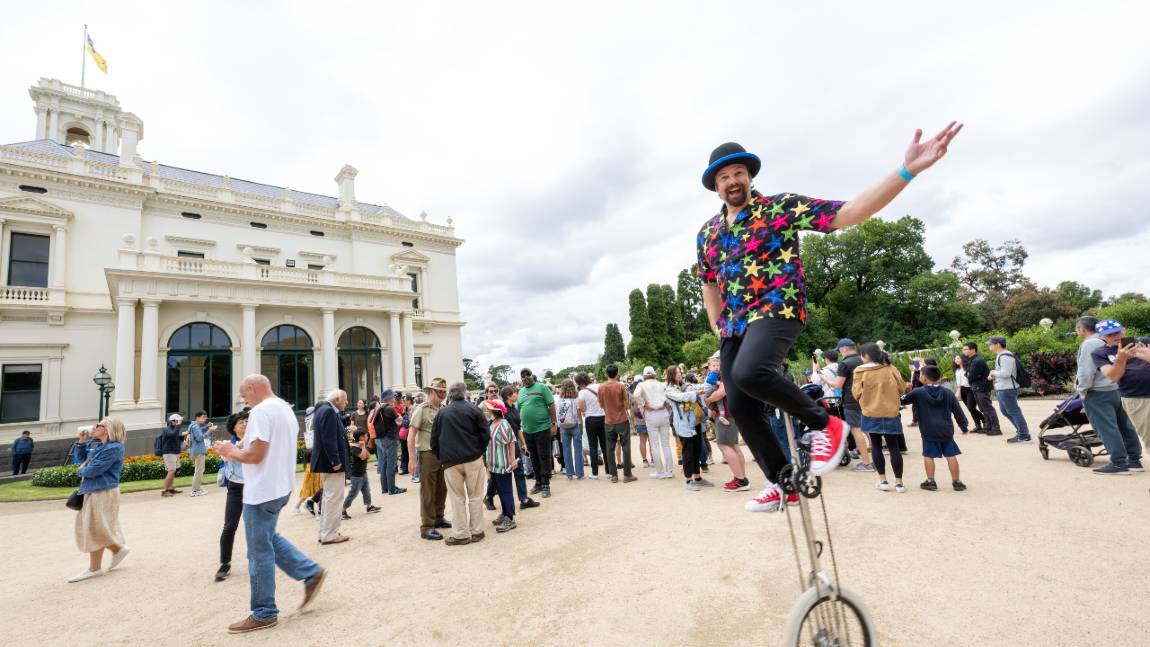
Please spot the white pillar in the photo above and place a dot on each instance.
(60, 257)
(408, 352)
(150, 352)
(395, 351)
(330, 354)
(54, 126)
(125, 376)
(248, 343)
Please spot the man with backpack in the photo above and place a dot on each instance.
(1009, 377)
(384, 423)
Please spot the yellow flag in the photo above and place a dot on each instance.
(100, 62)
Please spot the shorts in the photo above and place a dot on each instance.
(641, 430)
(171, 461)
(939, 449)
(726, 434)
(852, 416)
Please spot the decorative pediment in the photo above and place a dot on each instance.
(410, 257)
(39, 210)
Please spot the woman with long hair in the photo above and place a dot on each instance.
(232, 474)
(878, 388)
(686, 410)
(569, 410)
(98, 520)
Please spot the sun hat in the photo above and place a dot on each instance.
(725, 155)
(650, 370)
(845, 342)
(715, 355)
(175, 417)
(1108, 327)
(439, 384)
(389, 393)
(496, 405)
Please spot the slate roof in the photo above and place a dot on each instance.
(49, 147)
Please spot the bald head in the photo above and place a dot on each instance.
(254, 389)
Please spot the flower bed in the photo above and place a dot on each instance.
(136, 468)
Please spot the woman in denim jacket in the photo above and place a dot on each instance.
(98, 522)
(684, 422)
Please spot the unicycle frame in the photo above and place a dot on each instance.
(816, 577)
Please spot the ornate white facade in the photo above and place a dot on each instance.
(125, 254)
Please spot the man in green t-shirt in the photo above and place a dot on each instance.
(537, 418)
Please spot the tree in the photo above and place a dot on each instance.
(642, 347)
(548, 375)
(613, 350)
(1079, 296)
(472, 374)
(676, 333)
(658, 313)
(501, 374)
(987, 271)
(1028, 306)
(1125, 297)
(697, 351)
(689, 300)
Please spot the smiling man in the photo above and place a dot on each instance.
(754, 292)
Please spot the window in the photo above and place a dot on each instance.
(262, 261)
(182, 254)
(407, 244)
(313, 266)
(74, 135)
(33, 189)
(28, 261)
(414, 288)
(259, 225)
(191, 214)
(286, 360)
(360, 368)
(317, 233)
(419, 372)
(199, 373)
(20, 392)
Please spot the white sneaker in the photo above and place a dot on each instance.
(655, 475)
(668, 475)
(296, 512)
(767, 500)
(119, 557)
(86, 575)
(884, 486)
(593, 477)
(199, 492)
(900, 488)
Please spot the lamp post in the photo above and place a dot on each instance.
(1046, 323)
(103, 381)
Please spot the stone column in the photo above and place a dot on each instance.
(408, 352)
(54, 125)
(150, 352)
(248, 342)
(395, 350)
(330, 353)
(125, 375)
(60, 257)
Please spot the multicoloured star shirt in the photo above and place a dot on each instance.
(755, 262)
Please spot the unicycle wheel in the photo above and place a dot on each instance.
(816, 620)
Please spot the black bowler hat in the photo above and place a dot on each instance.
(726, 154)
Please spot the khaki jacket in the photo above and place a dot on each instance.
(878, 389)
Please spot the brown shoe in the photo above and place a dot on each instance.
(452, 541)
(477, 537)
(251, 624)
(312, 590)
(339, 539)
(166, 493)
(630, 479)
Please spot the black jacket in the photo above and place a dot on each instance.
(979, 374)
(459, 434)
(936, 405)
(171, 442)
(330, 441)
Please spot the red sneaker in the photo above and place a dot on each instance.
(737, 485)
(792, 499)
(827, 446)
(767, 501)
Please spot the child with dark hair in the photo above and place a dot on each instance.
(936, 406)
(358, 473)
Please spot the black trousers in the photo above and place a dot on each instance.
(619, 433)
(967, 397)
(233, 511)
(879, 459)
(691, 448)
(752, 368)
(539, 445)
(20, 463)
(596, 441)
(986, 406)
(404, 456)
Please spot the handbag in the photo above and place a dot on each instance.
(75, 501)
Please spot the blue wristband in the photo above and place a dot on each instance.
(905, 174)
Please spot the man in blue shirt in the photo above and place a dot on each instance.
(22, 453)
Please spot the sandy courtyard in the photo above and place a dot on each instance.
(1033, 553)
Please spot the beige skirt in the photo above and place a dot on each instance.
(98, 522)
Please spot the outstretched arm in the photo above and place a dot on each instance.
(919, 157)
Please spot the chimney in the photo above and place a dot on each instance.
(346, 181)
(131, 132)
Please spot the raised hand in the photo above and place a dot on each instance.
(922, 155)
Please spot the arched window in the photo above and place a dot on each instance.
(286, 359)
(360, 369)
(77, 134)
(199, 373)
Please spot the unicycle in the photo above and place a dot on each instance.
(826, 614)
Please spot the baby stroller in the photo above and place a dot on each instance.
(1079, 443)
(834, 406)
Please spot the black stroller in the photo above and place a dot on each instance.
(1080, 444)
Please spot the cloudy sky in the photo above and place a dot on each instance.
(567, 142)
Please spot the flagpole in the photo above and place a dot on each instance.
(84, 58)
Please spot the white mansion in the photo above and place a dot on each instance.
(182, 282)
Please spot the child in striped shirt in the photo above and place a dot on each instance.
(501, 462)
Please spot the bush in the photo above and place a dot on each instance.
(136, 468)
(1134, 315)
(1051, 373)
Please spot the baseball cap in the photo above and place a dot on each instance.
(390, 393)
(845, 342)
(1109, 327)
(175, 417)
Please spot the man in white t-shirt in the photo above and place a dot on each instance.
(269, 457)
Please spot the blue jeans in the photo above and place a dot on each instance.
(572, 441)
(385, 454)
(1109, 419)
(358, 484)
(267, 549)
(519, 476)
(1008, 402)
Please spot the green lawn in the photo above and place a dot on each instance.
(25, 491)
